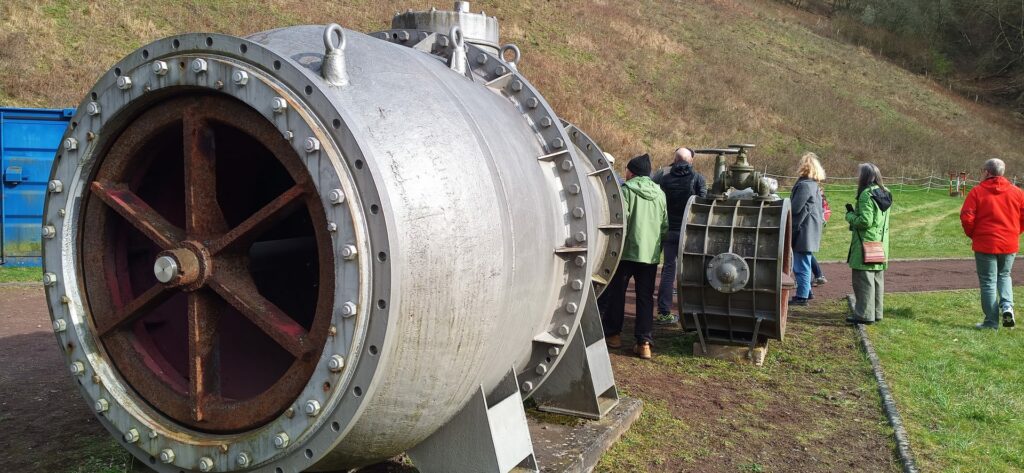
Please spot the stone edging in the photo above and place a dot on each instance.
(889, 405)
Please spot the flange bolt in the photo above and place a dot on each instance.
(242, 459)
(60, 325)
(564, 330)
(336, 196)
(70, 144)
(312, 145)
(279, 105)
(199, 65)
(92, 109)
(581, 237)
(578, 212)
(49, 279)
(77, 368)
(542, 368)
(571, 308)
(205, 464)
(348, 309)
(336, 363)
(281, 440)
(581, 261)
(567, 164)
(528, 386)
(131, 436)
(554, 351)
(240, 77)
(348, 252)
(55, 186)
(160, 68)
(166, 456)
(49, 231)
(101, 405)
(312, 408)
(124, 82)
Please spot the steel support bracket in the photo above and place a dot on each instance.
(490, 434)
(582, 383)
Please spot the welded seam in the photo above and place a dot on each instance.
(889, 405)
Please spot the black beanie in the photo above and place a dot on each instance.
(640, 165)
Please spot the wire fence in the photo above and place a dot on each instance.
(898, 184)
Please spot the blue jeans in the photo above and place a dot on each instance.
(996, 286)
(669, 248)
(802, 269)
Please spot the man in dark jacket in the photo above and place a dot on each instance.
(679, 183)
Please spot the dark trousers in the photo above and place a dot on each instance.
(670, 250)
(815, 269)
(614, 299)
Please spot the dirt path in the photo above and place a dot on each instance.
(911, 276)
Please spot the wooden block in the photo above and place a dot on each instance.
(733, 353)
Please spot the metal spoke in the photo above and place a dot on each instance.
(259, 222)
(203, 216)
(138, 213)
(240, 292)
(131, 311)
(203, 350)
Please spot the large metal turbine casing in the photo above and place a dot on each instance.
(311, 249)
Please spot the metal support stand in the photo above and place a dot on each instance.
(490, 434)
(582, 384)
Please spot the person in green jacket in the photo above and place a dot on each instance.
(646, 223)
(869, 221)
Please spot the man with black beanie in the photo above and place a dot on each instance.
(679, 183)
(646, 222)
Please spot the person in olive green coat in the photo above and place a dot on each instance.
(646, 223)
(869, 221)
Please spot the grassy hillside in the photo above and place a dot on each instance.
(638, 76)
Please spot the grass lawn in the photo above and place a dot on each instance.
(15, 274)
(960, 391)
(923, 224)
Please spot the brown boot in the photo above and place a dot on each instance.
(643, 350)
(613, 341)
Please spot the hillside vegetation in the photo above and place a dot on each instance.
(644, 76)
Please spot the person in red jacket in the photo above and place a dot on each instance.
(993, 218)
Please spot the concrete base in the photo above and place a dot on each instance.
(733, 353)
(562, 444)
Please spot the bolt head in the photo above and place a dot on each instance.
(348, 252)
(482, 58)
(240, 77)
(160, 68)
(166, 269)
(55, 186)
(500, 70)
(348, 309)
(580, 261)
(101, 405)
(532, 102)
(577, 284)
(242, 459)
(336, 363)
(578, 212)
(564, 330)
(49, 279)
(281, 440)
(70, 144)
(166, 456)
(332, 227)
(542, 368)
(279, 105)
(60, 325)
(124, 82)
(336, 196)
(131, 436)
(528, 386)
(92, 109)
(517, 85)
(205, 464)
(545, 122)
(49, 231)
(554, 351)
(311, 145)
(567, 164)
(581, 237)
(558, 144)
(77, 368)
(199, 65)
(403, 36)
(571, 308)
(312, 408)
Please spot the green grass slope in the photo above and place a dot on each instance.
(638, 76)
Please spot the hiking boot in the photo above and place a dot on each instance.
(982, 326)
(613, 341)
(798, 301)
(1008, 320)
(666, 319)
(856, 321)
(643, 350)
(819, 281)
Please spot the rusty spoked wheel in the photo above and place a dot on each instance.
(207, 263)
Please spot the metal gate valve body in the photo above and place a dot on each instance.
(312, 249)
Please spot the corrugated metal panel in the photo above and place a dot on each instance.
(28, 142)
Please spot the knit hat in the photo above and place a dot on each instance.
(640, 165)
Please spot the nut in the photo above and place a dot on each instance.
(92, 109)
(279, 105)
(281, 440)
(166, 456)
(49, 231)
(528, 386)
(312, 408)
(577, 284)
(160, 68)
(70, 144)
(564, 329)
(205, 464)
(581, 237)
(199, 65)
(554, 351)
(77, 368)
(578, 212)
(124, 82)
(571, 308)
(49, 279)
(542, 368)
(101, 405)
(336, 196)
(242, 459)
(336, 363)
(567, 164)
(240, 77)
(311, 145)
(131, 436)
(349, 252)
(348, 309)
(55, 186)
(60, 325)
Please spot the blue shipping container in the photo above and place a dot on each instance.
(29, 139)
